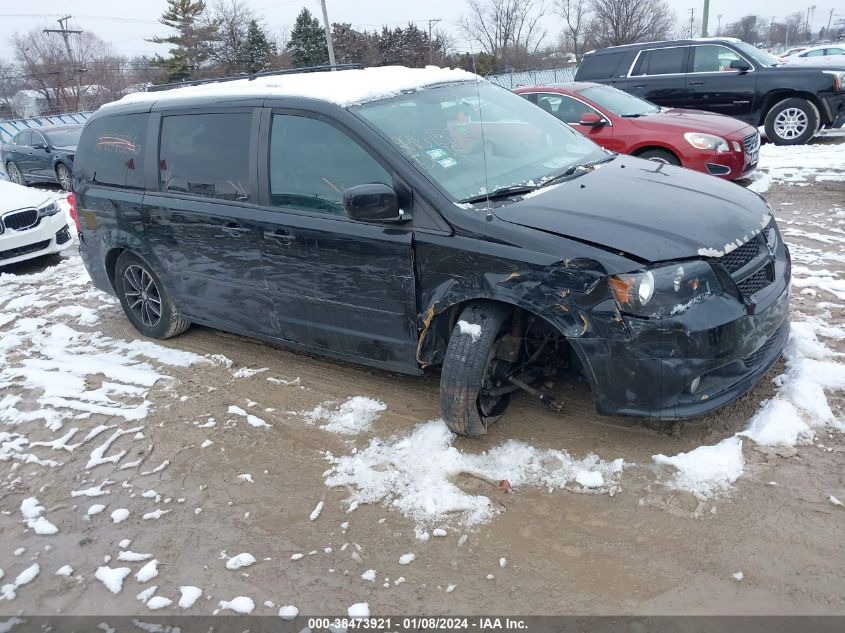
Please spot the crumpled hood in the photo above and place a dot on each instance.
(646, 209)
(691, 121)
(14, 197)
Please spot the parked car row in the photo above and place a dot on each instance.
(726, 76)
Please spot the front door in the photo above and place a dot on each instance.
(201, 225)
(714, 86)
(338, 285)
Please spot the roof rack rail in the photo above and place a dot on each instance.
(266, 73)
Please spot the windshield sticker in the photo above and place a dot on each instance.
(437, 153)
(447, 162)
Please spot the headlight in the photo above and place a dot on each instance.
(664, 291)
(838, 79)
(46, 210)
(707, 141)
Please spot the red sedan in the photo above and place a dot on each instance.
(707, 142)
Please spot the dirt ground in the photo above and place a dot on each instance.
(647, 549)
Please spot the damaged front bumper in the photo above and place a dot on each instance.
(690, 364)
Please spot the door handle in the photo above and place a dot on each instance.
(696, 83)
(638, 86)
(233, 228)
(280, 235)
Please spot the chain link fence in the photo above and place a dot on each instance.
(533, 77)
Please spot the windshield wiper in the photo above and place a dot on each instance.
(570, 171)
(501, 192)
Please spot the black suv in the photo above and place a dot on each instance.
(726, 76)
(406, 219)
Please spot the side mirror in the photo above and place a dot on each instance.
(373, 202)
(43, 146)
(591, 119)
(741, 65)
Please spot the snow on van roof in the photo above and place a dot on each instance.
(343, 87)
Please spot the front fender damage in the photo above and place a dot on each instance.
(571, 295)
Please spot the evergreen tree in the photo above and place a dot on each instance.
(192, 44)
(307, 45)
(258, 51)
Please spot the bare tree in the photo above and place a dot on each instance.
(617, 22)
(509, 30)
(576, 18)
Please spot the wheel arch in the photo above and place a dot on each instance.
(651, 144)
(776, 96)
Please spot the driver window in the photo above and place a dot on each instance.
(565, 108)
(312, 163)
(712, 59)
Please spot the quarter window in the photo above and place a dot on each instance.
(111, 151)
(599, 66)
(313, 162)
(712, 59)
(661, 61)
(206, 155)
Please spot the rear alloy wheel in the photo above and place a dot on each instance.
(63, 176)
(14, 174)
(792, 121)
(470, 367)
(660, 156)
(144, 299)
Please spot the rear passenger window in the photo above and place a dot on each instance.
(206, 155)
(24, 139)
(661, 61)
(111, 151)
(599, 66)
(312, 163)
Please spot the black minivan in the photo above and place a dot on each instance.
(413, 218)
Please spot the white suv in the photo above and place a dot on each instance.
(31, 224)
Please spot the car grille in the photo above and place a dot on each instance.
(20, 220)
(24, 250)
(751, 142)
(753, 360)
(755, 282)
(738, 258)
(751, 265)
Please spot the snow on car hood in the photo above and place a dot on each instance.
(343, 87)
(649, 210)
(14, 196)
(691, 121)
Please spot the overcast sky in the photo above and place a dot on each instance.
(126, 24)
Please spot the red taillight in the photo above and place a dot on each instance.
(72, 201)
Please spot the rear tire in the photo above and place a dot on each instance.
(793, 121)
(15, 174)
(468, 359)
(145, 300)
(63, 176)
(660, 156)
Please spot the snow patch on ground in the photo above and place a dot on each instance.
(707, 469)
(414, 473)
(356, 415)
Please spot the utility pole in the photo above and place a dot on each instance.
(691, 21)
(328, 34)
(829, 19)
(66, 33)
(719, 25)
(705, 14)
(434, 21)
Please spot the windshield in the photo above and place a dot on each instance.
(439, 129)
(64, 138)
(760, 57)
(618, 102)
